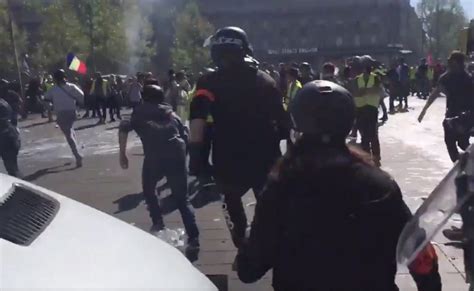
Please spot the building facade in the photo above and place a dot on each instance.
(318, 31)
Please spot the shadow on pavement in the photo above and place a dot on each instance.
(87, 126)
(47, 171)
(199, 198)
(455, 244)
(128, 202)
(112, 128)
(35, 124)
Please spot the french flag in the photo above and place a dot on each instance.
(75, 64)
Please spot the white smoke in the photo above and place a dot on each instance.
(136, 26)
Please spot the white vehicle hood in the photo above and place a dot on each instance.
(84, 248)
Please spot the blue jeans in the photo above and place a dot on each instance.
(177, 177)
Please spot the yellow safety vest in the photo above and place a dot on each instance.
(104, 87)
(368, 94)
(49, 86)
(413, 73)
(430, 74)
(293, 88)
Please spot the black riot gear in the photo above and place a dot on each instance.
(324, 109)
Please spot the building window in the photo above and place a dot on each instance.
(339, 41)
(357, 40)
(373, 39)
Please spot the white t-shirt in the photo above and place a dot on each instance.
(65, 97)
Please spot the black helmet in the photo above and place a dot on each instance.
(153, 93)
(323, 109)
(230, 41)
(59, 75)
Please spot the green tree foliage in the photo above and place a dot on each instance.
(7, 61)
(110, 35)
(442, 21)
(61, 32)
(191, 30)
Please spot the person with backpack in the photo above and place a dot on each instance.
(164, 139)
(65, 97)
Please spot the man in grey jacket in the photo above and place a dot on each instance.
(65, 96)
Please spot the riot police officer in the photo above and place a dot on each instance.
(248, 123)
(328, 219)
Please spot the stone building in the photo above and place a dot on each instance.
(317, 31)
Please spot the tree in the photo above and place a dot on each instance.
(61, 32)
(191, 30)
(442, 21)
(110, 35)
(141, 47)
(7, 61)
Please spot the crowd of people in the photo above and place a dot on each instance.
(239, 111)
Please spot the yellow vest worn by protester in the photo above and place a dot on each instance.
(293, 88)
(104, 87)
(413, 73)
(368, 94)
(430, 74)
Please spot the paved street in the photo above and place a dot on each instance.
(413, 153)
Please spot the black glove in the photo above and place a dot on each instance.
(197, 161)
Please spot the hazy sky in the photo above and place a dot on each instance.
(467, 4)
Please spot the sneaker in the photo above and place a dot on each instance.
(85, 116)
(79, 163)
(384, 118)
(156, 228)
(193, 243)
(112, 120)
(192, 250)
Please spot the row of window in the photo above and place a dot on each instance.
(355, 40)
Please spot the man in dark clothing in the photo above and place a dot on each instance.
(164, 140)
(422, 81)
(458, 86)
(13, 99)
(9, 139)
(283, 84)
(100, 91)
(248, 123)
(403, 71)
(393, 87)
(307, 74)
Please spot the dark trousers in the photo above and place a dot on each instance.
(177, 179)
(91, 105)
(9, 148)
(454, 139)
(404, 92)
(101, 105)
(114, 107)
(233, 208)
(367, 124)
(392, 98)
(384, 107)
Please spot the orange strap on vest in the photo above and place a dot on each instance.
(205, 93)
(425, 261)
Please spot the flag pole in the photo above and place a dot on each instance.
(12, 37)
